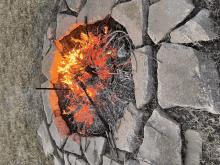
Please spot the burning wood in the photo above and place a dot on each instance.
(99, 82)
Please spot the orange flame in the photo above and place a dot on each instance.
(77, 66)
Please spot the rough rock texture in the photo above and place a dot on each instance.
(162, 140)
(194, 148)
(66, 159)
(47, 62)
(73, 160)
(65, 23)
(153, 1)
(165, 15)
(128, 131)
(129, 15)
(76, 5)
(46, 46)
(60, 153)
(95, 10)
(51, 31)
(46, 102)
(144, 163)
(132, 162)
(43, 132)
(187, 78)
(93, 148)
(56, 161)
(143, 75)
(72, 146)
(107, 161)
(59, 131)
(199, 28)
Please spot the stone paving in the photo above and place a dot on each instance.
(187, 77)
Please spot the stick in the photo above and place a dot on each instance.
(53, 88)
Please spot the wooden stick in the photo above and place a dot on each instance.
(53, 89)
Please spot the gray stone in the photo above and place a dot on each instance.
(76, 5)
(46, 102)
(65, 23)
(143, 75)
(129, 15)
(51, 31)
(66, 160)
(199, 28)
(62, 6)
(47, 62)
(165, 15)
(46, 45)
(93, 148)
(128, 131)
(153, 1)
(43, 132)
(73, 160)
(193, 148)
(107, 161)
(132, 162)
(56, 161)
(120, 155)
(60, 153)
(144, 163)
(95, 10)
(72, 146)
(187, 78)
(162, 140)
(56, 136)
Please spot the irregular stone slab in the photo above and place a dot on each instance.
(162, 140)
(47, 62)
(143, 75)
(165, 15)
(72, 146)
(132, 162)
(46, 102)
(59, 131)
(187, 78)
(107, 161)
(65, 23)
(51, 31)
(76, 5)
(128, 131)
(193, 148)
(93, 148)
(43, 132)
(199, 28)
(95, 10)
(76, 161)
(46, 46)
(129, 15)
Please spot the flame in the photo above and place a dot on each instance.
(78, 66)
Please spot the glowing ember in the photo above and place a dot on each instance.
(85, 63)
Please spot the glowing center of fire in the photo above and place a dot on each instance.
(86, 70)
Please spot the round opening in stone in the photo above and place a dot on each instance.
(92, 70)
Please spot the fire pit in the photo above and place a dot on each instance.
(93, 76)
(115, 69)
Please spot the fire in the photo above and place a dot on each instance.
(86, 70)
